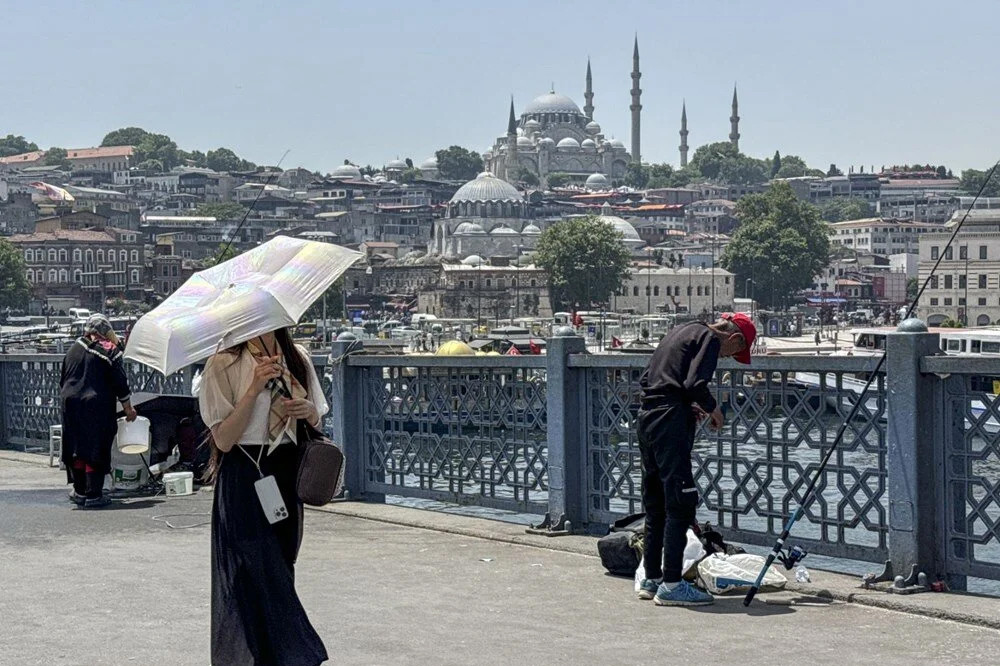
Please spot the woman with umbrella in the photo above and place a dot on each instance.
(93, 380)
(253, 397)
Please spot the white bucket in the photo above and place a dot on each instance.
(133, 438)
(128, 477)
(178, 483)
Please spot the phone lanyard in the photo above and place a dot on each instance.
(255, 462)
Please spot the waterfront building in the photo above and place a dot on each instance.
(649, 290)
(880, 236)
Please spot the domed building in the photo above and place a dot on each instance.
(629, 235)
(429, 168)
(346, 172)
(553, 135)
(486, 217)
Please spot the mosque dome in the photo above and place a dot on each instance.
(569, 143)
(598, 181)
(616, 143)
(468, 228)
(472, 260)
(486, 187)
(396, 165)
(593, 127)
(429, 163)
(552, 103)
(524, 142)
(588, 145)
(531, 230)
(628, 232)
(346, 172)
(546, 141)
(503, 231)
(454, 348)
(532, 125)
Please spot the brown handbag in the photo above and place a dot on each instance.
(321, 467)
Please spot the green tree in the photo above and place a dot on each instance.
(973, 179)
(585, 259)
(224, 252)
(557, 179)
(793, 166)
(742, 170)
(708, 159)
(636, 175)
(227, 210)
(150, 165)
(942, 171)
(660, 175)
(781, 244)
(838, 209)
(457, 163)
(56, 157)
(195, 157)
(14, 287)
(409, 163)
(410, 175)
(15, 145)
(528, 177)
(126, 136)
(833, 171)
(775, 164)
(912, 286)
(224, 159)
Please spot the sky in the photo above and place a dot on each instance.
(853, 82)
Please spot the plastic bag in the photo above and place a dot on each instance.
(640, 573)
(693, 553)
(735, 574)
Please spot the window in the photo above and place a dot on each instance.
(934, 301)
(961, 301)
(948, 254)
(78, 276)
(489, 282)
(52, 256)
(961, 282)
(29, 255)
(947, 282)
(135, 276)
(30, 274)
(689, 291)
(963, 252)
(699, 290)
(982, 252)
(174, 271)
(90, 256)
(727, 280)
(77, 256)
(982, 282)
(934, 282)
(947, 301)
(647, 290)
(53, 275)
(63, 276)
(534, 282)
(63, 256)
(39, 276)
(100, 256)
(990, 347)
(982, 301)
(461, 284)
(656, 290)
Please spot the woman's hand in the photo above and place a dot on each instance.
(301, 408)
(268, 368)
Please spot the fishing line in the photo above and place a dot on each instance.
(807, 496)
(253, 204)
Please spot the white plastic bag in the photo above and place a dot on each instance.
(693, 552)
(640, 573)
(735, 574)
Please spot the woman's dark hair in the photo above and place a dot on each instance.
(296, 367)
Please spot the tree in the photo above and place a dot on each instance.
(224, 159)
(221, 211)
(708, 159)
(912, 286)
(781, 244)
(660, 175)
(126, 136)
(585, 259)
(742, 170)
(457, 163)
(195, 157)
(636, 175)
(56, 157)
(838, 209)
(410, 175)
(775, 164)
(557, 179)
(15, 145)
(224, 252)
(973, 179)
(833, 171)
(528, 177)
(409, 163)
(942, 171)
(14, 287)
(793, 166)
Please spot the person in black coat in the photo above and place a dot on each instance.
(93, 381)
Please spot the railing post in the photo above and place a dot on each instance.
(914, 480)
(565, 436)
(346, 398)
(4, 406)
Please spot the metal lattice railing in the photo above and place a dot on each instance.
(971, 463)
(780, 418)
(457, 430)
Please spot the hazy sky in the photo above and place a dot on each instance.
(851, 82)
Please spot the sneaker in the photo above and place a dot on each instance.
(97, 502)
(76, 498)
(648, 588)
(682, 594)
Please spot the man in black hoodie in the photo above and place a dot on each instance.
(676, 397)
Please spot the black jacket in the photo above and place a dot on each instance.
(682, 367)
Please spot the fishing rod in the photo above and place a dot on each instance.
(807, 496)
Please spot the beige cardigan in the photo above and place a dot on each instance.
(226, 379)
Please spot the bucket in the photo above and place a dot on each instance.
(128, 477)
(133, 438)
(178, 483)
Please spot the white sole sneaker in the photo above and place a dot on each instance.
(661, 602)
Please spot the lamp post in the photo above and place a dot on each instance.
(746, 292)
(649, 283)
(714, 238)
(517, 284)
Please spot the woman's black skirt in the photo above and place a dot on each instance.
(257, 619)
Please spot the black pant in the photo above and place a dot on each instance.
(666, 437)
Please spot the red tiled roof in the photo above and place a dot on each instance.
(106, 151)
(33, 156)
(672, 207)
(64, 235)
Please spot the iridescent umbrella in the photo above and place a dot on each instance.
(263, 289)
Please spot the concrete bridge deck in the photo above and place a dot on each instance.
(116, 587)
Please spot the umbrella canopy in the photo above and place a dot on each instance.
(261, 290)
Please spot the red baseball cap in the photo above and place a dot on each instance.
(749, 331)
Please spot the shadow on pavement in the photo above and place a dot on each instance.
(734, 606)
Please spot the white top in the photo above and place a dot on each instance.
(227, 378)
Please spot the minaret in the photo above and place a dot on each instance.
(588, 107)
(734, 122)
(512, 165)
(684, 135)
(635, 107)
